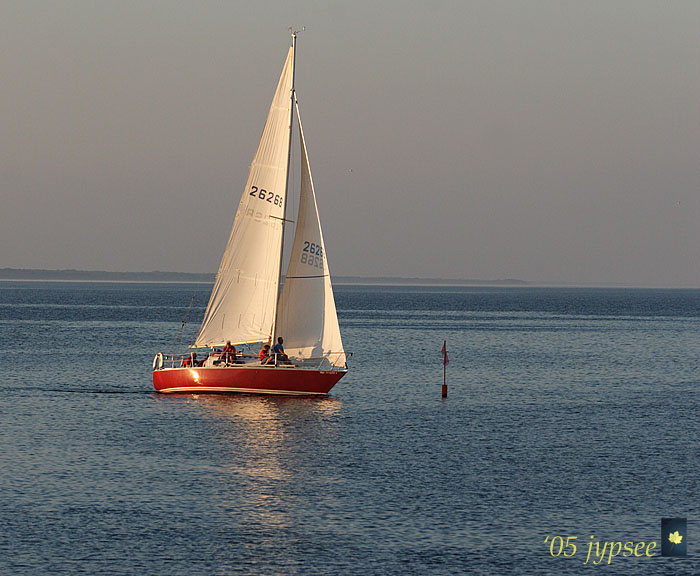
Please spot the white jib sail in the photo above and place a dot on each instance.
(242, 303)
(306, 317)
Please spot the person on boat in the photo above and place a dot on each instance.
(228, 354)
(265, 357)
(189, 361)
(278, 349)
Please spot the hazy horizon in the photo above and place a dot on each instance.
(551, 141)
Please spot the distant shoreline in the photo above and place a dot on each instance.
(102, 275)
(159, 276)
(425, 281)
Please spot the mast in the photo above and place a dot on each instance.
(286, 186)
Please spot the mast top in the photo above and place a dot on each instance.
(294, 58)
(295, 32)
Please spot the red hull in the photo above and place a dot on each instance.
(251, 380)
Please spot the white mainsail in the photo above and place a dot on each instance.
(243, 301)
(306, 316)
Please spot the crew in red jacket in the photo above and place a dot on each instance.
(189, 361)
(228, 354)
(265, 354)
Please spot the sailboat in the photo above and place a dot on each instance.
(247, 309)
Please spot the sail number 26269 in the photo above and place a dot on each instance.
(263, 194)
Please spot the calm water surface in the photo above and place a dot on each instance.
(571, 412)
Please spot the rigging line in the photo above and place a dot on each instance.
(319, 276)
(295, 187)
(182, 326)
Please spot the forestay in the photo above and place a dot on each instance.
(307, 317)
(242, 303)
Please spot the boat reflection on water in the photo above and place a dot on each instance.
(259, 455)
(253, 408)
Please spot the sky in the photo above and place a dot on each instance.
(549, 141)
